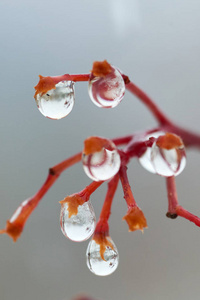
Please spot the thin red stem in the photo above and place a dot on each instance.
(187, 215)
(137, 148)
(67, 163)
(102, 227)
(106, 209)
(91, 188)
(149, 103)
(72, 77)
(174, 209)
(128, 195)
(16, 224)
(172, 197)
(122, 140)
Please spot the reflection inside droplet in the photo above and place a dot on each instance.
(102, 165)
(95, 262)
(108, 91)
(78, 227)
(57, 103)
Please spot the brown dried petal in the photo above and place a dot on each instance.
(135, 219)
(101, 68)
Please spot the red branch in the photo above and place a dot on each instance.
(15, 225)
(157, 113)
(128, 196)
(134, 217)
(106, 209)
(135, 146)
(174, 209)
(102, 228)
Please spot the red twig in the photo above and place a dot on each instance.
(172, 197)
(15, 225)
(187, 215)
(134, 217)
(106, 209)
(158, 114)
(128, 196)
(174, 209)
(72, 77)
(102, 228)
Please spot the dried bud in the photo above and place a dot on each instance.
(73, 202)
(169, 141)
(15, 225)
(13, 229)
(135, 219)
(101, 68)
(96, 144)
(104, 241)
(44, 85)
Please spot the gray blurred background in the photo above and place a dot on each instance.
(157, 44)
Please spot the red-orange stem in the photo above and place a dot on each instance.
(106, 209)
(16, 223)
(187, 215)
(128, 196)
(174, 209)
(88, 190)
(122, 140)
(102, 228)
(158, 114)
(172, 197)
(72, 77)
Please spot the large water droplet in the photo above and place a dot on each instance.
(95, 262)
(108, 91)
(57, 103)
(78, 227)
(145, 159)
(102, 165)
(168, 162)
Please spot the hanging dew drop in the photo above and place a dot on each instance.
(168, 162)
(57, 103)
(96, 264)
(145, 159)
(78, 227)
(102, 165)
(108, 91)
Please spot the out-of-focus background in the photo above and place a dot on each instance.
(157, 44)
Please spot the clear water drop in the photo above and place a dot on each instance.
(95, 262)
(145, 159)
(78, 227)
(102, 165)
(168, 162)
(57, 103)
(108, 91)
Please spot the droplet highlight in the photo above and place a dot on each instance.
(102, 165)
(78, 227)
(99, 266)
(57, 103)
(107, 91)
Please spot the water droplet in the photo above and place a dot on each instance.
(57, 103)
(108, 91)
(145, 159)
(168, 162)
(95, 262)
(102, 165)
(78, 227)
